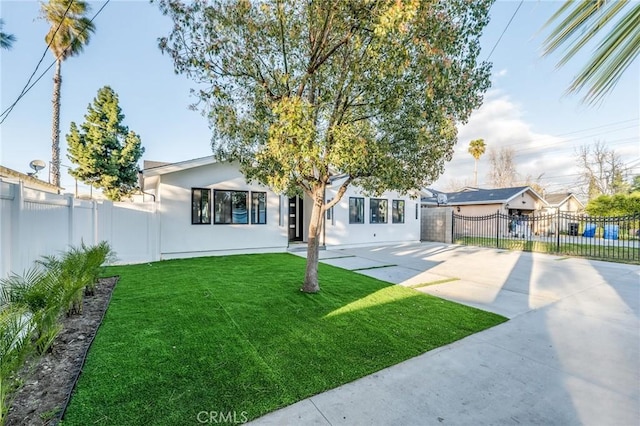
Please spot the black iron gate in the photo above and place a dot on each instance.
(607, 238)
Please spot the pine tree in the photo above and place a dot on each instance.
(105, 151)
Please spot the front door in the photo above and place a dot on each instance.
(295, 219)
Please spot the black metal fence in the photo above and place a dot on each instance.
(607, 238)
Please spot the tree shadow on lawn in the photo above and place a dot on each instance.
(234, 334)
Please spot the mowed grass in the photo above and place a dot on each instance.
(234, 334)
(618, 251)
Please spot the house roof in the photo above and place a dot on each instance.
(149, 164)
(28, 180)
(159, 168)
(480, 196)
(559, 198)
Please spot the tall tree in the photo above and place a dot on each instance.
(578, 22)
(105, 151)
(303, 91)
(477, 147)
(602, 171)
(6, 39)
(502, 172)
(69, 33)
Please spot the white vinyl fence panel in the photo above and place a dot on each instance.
(35, 223)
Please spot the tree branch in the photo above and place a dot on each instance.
(283, 45)
(339, 194)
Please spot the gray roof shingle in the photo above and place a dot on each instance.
(478, 196)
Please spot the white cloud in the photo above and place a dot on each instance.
(501, 123)
(501, 73)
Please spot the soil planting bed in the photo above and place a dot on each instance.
(49, 380)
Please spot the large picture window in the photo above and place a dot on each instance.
(259, 208)
(230, 207)
(356, 210)
(378, 210)
(397, 211)
(200, 206)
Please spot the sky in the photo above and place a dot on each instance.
(525, 109)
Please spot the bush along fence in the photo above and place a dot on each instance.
(32, 305)
(605, 238)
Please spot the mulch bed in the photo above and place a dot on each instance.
(49, 380)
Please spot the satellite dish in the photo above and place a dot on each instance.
(442, 198)
(37, 165)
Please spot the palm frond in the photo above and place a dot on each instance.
(70, 30)
(583, 21)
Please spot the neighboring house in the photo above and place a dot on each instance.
(563, 202)
(27, 180)
(521, 200)
(207, 207)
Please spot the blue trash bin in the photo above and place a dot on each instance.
(610, 232)
(589, 230)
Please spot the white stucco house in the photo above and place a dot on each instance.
(206, 207)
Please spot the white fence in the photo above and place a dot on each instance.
(35, 223)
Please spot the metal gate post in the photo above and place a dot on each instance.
(558, 230)
(498, 228)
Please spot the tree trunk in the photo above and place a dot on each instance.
(55, 128)
(311, 284)
(475, 174)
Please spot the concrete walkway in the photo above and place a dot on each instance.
(570, 353)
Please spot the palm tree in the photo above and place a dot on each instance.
(6, 40)
(477, 147)
(69, 33)
(580, 22)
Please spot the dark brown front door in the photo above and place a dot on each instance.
(295, 219)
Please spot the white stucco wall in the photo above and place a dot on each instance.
(180, 238)
(340, 233)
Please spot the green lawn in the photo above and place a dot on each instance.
(621, 252)
(234, 333)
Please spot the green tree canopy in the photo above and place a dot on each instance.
(614, 205)
(302, 91)
(105, 151)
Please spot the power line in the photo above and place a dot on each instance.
(6, 112)
(590, 135)
(520, 153)
(505, 29)
(46, 49)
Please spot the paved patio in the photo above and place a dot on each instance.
(570, 353)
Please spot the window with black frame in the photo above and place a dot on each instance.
(356, 210)
(378, 210)
(397, 211)
(200, 206)
(230, 207)
(258, 208)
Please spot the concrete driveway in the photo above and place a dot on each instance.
(570, 353)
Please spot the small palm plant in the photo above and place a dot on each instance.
(40, 292)
(78, 270)
(96, 257)
(31, 306)
(16, 328)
